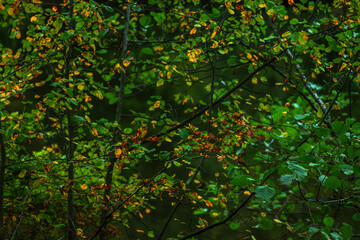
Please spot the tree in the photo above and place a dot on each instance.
(177, 119)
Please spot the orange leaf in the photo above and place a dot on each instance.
(118, 153)
(157, 104)
(95, 132)
(126, 63)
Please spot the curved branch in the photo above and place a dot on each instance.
(223, 97)
(228, 217)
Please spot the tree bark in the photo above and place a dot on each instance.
(2, 185)
(70, 151)
(118, 115)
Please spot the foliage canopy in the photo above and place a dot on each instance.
(176, 119)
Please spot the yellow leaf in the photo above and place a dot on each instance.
(277, 220)
(126, 63)
(168, 75)
(262, 5)
(11, 11)
(22, 173)
(213, 34)
(18, 35)
(160, 82)
(277, 48)
(270, 12)
(231, 11)
(81, 86)
(157, 104)
(248, 56)
(83, 187)
(319, 113)
(99, 95)
(254, 80)
(168, 139)
(193, 31)
(140, 231)
(286, 34)
(87, 118)
(33, 19)
(94, 132)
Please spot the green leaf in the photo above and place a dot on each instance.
(287, 179)
(347, 169)
(73, 101)
(328, 221)
(107, 8)
(264, 192)
(299, 171)
(183, 133)
(332, 183)
(159, 17)
(325, 235)
(145, 20)
(294, 21)
(299, 117)
(339, 127)
(200, 211)
(320, 131)
(234, 225)
(102, 51)
(241, 181)
(151, 234)
(127, 130)
(147, 51)
(356, 217)
(346, 231)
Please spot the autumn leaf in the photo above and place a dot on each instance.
(157, 104)
(126, 63)
(22, 173)
(94, 132)
(193, 31)
(99, 95)
(118, 152)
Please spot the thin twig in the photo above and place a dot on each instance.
(22, 214)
